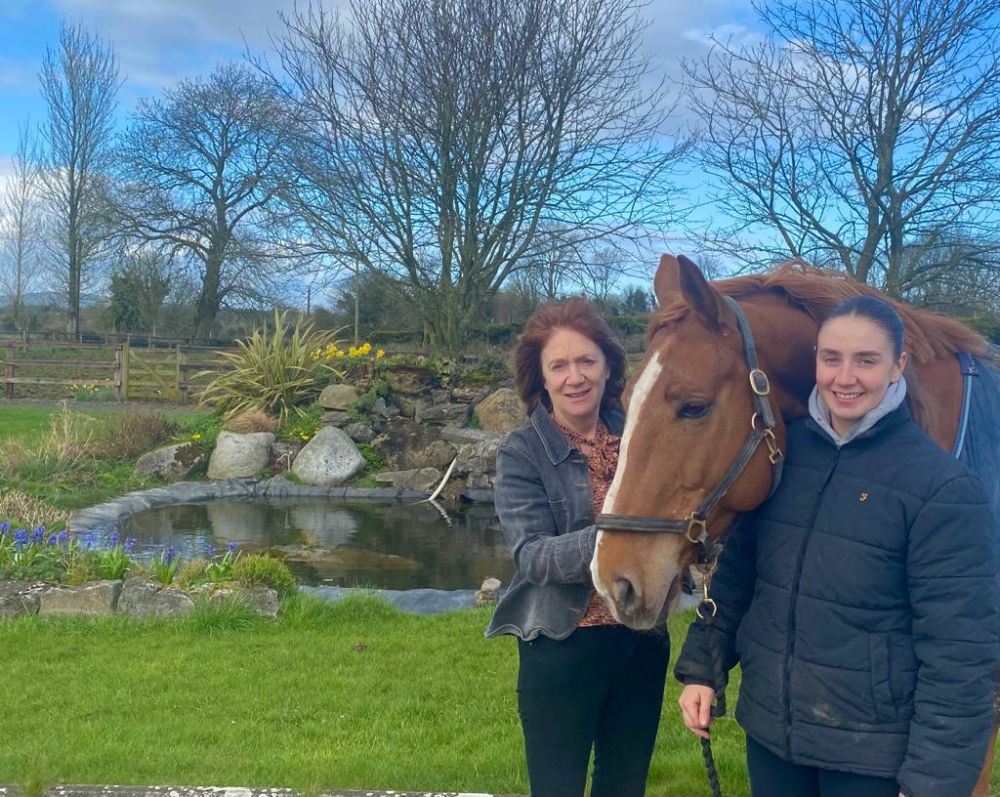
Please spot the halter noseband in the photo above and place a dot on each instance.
(695, 526)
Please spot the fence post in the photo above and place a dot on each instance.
(121, 362)
(181, 392)
(116, 375)
(8, 372)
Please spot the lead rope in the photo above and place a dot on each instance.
(706, 611)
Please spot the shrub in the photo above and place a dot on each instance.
(374, 459)
(127, 435)
(251, 421)
(274, 372)
(263, 570)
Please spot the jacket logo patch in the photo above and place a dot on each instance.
(863, 496)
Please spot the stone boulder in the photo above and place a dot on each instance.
(338, 397)
(240, 456)
(423, 479)
(329, 459)
(20, 597)
(172, 463)
(405, 445)
(142, 599)
(94, 599)
(410, 380)
(449, 414)
(263, 600)
(360, 432)
(501, 411)
(488, 592)
(479, 457)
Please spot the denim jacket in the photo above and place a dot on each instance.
(545, 506)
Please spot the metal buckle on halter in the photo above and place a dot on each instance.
(759, 383)
(696, 522)
(774, 453)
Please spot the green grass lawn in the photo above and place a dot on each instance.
(349, 695)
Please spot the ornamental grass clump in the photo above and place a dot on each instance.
(274, 372)
(28, 511)
(128, 435)
(259, 569)
(67, 443)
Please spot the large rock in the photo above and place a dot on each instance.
(405, 445)
(479, 457)
(240, 456)
(424, 479)
(501, 411)
(338, 397)
(172, 463)
(330, 458)
(263, 600)
(94, 599)
(360, 432)
(410, 380)
(20, 597)
(142, 599)
(454, 414)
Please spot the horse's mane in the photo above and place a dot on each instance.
(929, 336)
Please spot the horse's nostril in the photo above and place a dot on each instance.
(625, 593)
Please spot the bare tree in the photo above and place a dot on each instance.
(80, 83)
(199, 168)
(854, 128)
(438, 138)
(19, 209)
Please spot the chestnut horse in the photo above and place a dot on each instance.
(690, 405)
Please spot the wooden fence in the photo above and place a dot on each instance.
(165, 374)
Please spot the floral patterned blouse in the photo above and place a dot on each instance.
(601, 454)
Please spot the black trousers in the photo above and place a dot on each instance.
(772, 776)
(601, 689)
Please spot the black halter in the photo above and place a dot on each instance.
(762, 423)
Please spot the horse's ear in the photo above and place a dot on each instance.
(681, 275)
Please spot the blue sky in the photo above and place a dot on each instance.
(159, 42)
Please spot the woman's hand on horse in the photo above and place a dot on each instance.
(696, 708)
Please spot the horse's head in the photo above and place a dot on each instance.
(689, 410)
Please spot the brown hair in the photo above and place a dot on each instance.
(580, 316)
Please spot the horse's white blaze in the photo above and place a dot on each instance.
(643, 387)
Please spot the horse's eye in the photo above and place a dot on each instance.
(694, 409)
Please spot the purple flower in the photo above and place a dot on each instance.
(210, 551)
(63, 537)
(232, 547)
(20, 537)
(53, 539)
(38, 534)
(129, 544)
(88, 540)
(114, 539)
(169, 555)
(4, 527)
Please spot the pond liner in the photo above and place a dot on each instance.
(112, 513)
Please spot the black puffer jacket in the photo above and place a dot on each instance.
(860, 602)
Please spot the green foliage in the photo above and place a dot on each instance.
(221, 568)
(276, 372)
(191, 572)
(987, 326)
(115, 563)
(375, 462)
(164, 565)
(217, 616)
(303, 426)
(203, 430)
(264, 570)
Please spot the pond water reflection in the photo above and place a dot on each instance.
(386, 545)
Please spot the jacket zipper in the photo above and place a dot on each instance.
(790, 649)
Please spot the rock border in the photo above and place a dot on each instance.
(118, 509)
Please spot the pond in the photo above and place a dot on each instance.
(384, 545)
